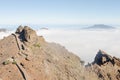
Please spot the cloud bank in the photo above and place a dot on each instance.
(85, 43)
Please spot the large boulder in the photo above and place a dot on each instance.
(27, 34)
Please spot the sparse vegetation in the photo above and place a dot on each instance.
(14, 62)
(37, 45)
(6, 62)
(82, 62)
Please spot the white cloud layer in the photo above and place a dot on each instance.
(86, 43)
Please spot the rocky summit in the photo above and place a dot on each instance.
(26, 56)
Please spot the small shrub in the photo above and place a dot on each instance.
(82, 62)
(14, 62)
(6, 62)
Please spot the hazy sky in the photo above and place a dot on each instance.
(59, 11)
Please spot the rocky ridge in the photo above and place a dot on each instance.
(26, 56)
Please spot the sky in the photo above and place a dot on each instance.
(60, 12)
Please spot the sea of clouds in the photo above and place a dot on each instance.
(82, 42)
(85, 43)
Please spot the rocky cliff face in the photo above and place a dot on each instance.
(105, 66)
(26, 56)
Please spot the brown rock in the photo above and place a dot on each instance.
(116, 61)
(39, 60)
(29, 34)
(105, 66)
(26, 34)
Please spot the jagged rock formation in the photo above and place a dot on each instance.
(26, 56)
(105, 66)
(102, 58)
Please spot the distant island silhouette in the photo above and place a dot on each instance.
(100, 26)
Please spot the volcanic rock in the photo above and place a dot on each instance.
(19, 29)
(30, 57)
(26, 34)
(102, 58)
(105, 66)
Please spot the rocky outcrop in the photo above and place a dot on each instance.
(102, 58)
(19, 29)
(26, 34)
(105, 66)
